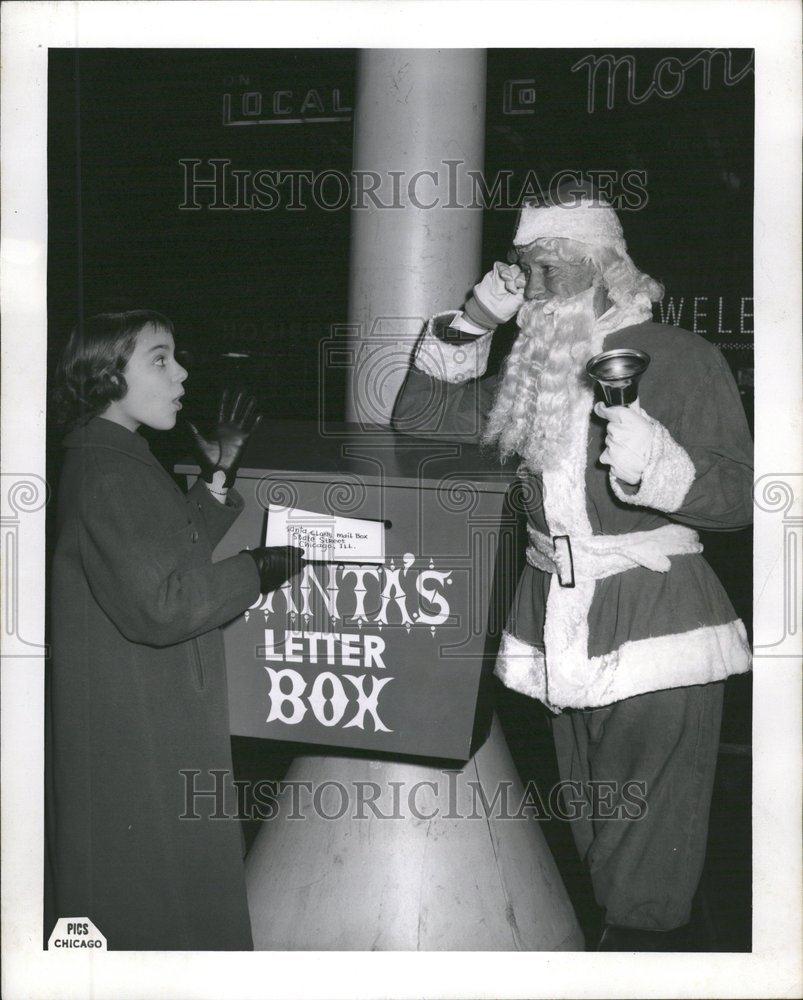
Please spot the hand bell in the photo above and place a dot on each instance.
(618, 373)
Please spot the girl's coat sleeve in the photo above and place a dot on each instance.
(155, 580)
(219, 517)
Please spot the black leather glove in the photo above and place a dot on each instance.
(276, 564)
(223, 449)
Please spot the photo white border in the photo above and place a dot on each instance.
(773, 29)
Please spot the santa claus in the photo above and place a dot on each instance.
(619, 626)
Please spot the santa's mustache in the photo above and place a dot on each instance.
(531, 314)
(543, 376)
(560, 323)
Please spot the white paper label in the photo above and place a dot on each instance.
(326, 537)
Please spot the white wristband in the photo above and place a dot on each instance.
(216, 487)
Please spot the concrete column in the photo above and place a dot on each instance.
(419, 127)
(422, 869)
(431, 877)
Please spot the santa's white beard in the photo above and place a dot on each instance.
(543, 376)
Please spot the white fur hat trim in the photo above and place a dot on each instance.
(586, 221)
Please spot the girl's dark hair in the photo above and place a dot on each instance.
(90, 375)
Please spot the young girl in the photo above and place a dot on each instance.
(139, 700)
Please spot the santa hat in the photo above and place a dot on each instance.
(585, 218)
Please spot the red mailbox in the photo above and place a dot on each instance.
(376, 656)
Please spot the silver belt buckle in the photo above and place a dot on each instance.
(563, 556)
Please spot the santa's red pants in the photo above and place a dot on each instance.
(645, 870)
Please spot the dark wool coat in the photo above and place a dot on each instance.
(139, 695)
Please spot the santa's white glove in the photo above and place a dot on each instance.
(497, 297)
(627, 442)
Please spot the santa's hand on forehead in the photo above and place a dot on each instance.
(513, 278)
(496, 298)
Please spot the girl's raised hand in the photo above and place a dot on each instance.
(223, 449)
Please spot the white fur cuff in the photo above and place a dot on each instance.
(451, 362)
(667, 477)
